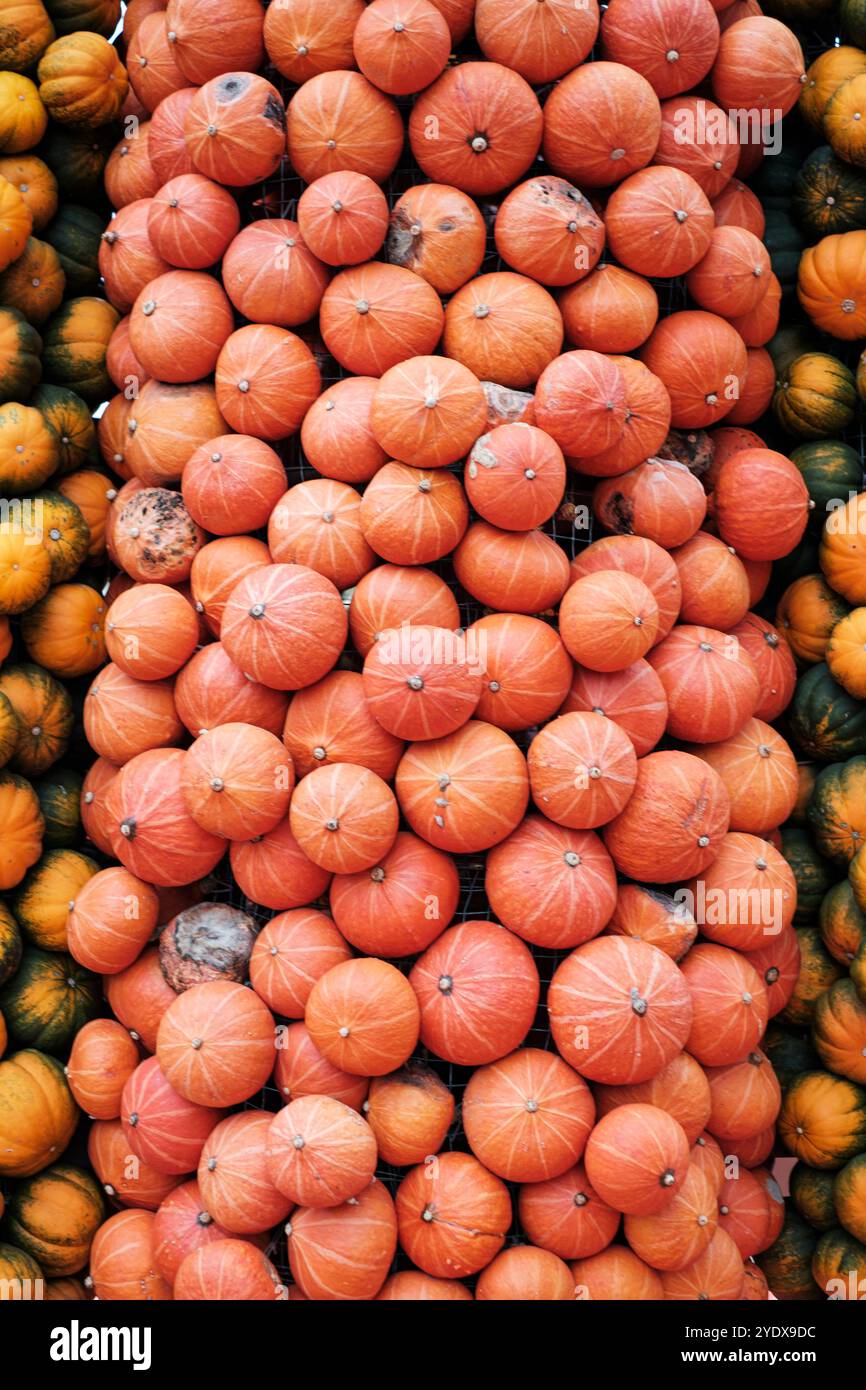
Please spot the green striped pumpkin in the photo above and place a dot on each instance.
(49, 1000)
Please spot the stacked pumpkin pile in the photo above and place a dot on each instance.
(229, 722)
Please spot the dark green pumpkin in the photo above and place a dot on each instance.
(788, 1262)
(20, 356)
(75, 233)
(73, 16)
(831, 470)
(784, 242)
(849, 1197)
(818, 971)
(73, 422)
(790, 1053)
(842, 924)
(812, 1194)
(839, 1266)
(837, 810)
(59, 793)
(852, 16)
(49, 1000)
(813, 874)
(10, 944)
(826, 722)
(77, 158)
(829, 196)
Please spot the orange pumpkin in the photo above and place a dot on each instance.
(680, 1088)
(217, 568)
(216, 1043)
(162, 1128)
(122, 1263)
(153, 537)
(616, 603)
(231, 484)
(716, 1275)
(633, 698)
(548, 230)
(336, 435)
(452, 1217)
(422, 683)
(515, 476)
(290, 954)
(272, 602)
(733, 276)
(428, 411)
(167, 148)
(715, 585)
(436, 231)
(237, 781)
(660, 499)
(274, 871)
(539, 44)
(374, 316)
(302, 1070)
(746, 1097)
(677, 1236)
(94, 787)
(697, 137)
(401, 46)
(535, 891)
(710, 683)
(151, 631)
(271, 276)
(178, 324)
(344, 1252)
(228, 1269)
(410, 1113)
(601, 123)
(111, 920)
(582, 770)
(526, 670)
(124, 716)
(207, 39)
(759, 325)
(182, 1225)
(266, 381)
(211, 690)
(330, 722)
(233, 1177)
(616, 1274)
(489, 126)
(399, 907)
(610, 310)
(637, 1159)
(659, 222)
(566, 1215)
(759, 64)
(317, 523)
(760, 774)
(320, 1152)
(102, 1059)
(580, 400)
(671, 42)
(761, 504)
(164, 425)
(647, 421)
(363, 1016)
(235, 128)
(738, 206)
(701, 359)
(746, 895)
(303, 40)
(139, 996)
(191, 221)
(129, 174)
(343, 218)
(503, 327)
(729, 1004)
(685, 803)
(153, 834)
(339, 120)
(344, 817)
(411, 516)
(150, 58)
(136, 1184)
(390, 595)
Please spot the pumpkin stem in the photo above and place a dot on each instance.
(668, 1178)
(415, 683)
(446, 984)
(639, 1006)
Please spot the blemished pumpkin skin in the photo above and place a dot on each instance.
(102, 1059)
(839, 1263)
(849, 1197)
(27, 31)
(82, 81)
(43, 900)
(839, 1031)
(37, 1113)
(437, 232)
(122, 1265)
(822, 1120)
(45, 713)
(54, 1216)
(235, 129)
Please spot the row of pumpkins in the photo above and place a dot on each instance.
(636, 1148)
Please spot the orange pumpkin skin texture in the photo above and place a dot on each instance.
(686, 803)
(303, 40)
(288, 600)
(339, 120)
(488, 562)
(721, 679)
(217, 569)
(707, 1156)
(232, 483)
(503, 327)
(266, 381)
(700, 358)
(165, 424)
(759, 63)
(139, 996)
(738, 206)
(580, 401)
(773, 662)
(152, 832)
(489, 124)
(524, 1274)
(111, 920)
(302, 1070)
(428, 411)
(160, 1126)
(681, 1089)
(151, 631)
(452, 1217)
(715, 585)
(619, 1010)
(211, 690)
(757, 327)
(653, 917)
(364, 1017)
(566, 1215)
(675, 1237)
(601, 123)
(616, 1274)
(293, 951)
(745, 1099)
(317, 523)
(526, 670)
(844, 651)
(729, 1005)
(761, 504)
(778, 964)
(128, 259)
(237, 781)
(167, 146)
(178, 325)
(411, 516)
(716, 1275)
(207, 39)
(548, 230)
(646, 35)
(410, 1113)
(552, 886)
(94, 788)
(478, 989)
(374, 316)
(830, 282)
(659, 221)
(695, 137)
(102, 1059)
(344, 1253)
(236, 1187)
(122, 1263)
(135, 1185)
(124, 717)
(744, 1213)
(129, 174)
(393, 594)
(399, 907)
(271, 276)
(191, 221)
(227, 1270)
(235, 129)
(344, 817)
(23, 826)
(335, 1158)
(329, 722)
(235, 1036)
(660, 500)
(540, 45)
(154, 74)
(610, 310)
(582, 770)
(637, 1158)
(336, 435)
(275, 872)
(438, 232)
(733, 276)
(515, 476)
(181, 1225)
(527, 1117)
(760, 774)
(616, 604)
(642, 558)
(343, 218)
(647, 421)
(401, 46)
(422, 683)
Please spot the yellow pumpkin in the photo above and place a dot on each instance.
(29, 449)
(16, 223)
(75, 343)
(845, 120)
(842, 553)
(37, 1113)
(23, 117)
(45, 712)
(54, 1216)
(806, 615)
(21, 829)
(25, 32)
(839, 1031)
(47, 896)
(846, 653)
(825, 76)
(823, 1119)
(64, 532)
(831, 284)
(10, 730)
(93, 494)
(82, 82)
(34, 284)
(64, 632)
(25, 569)
(816, 396)
(36, 184)
(70, 418)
